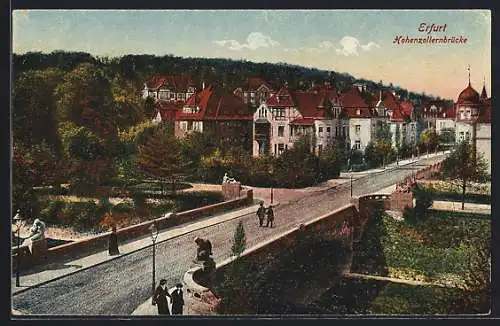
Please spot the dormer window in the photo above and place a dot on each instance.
(358, 112)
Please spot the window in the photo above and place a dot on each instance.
(183, 125)
(320, 149)
(336, 131)
(172, 96)
(357, 129)
(358, 112)
(320, 131)
(281, 148)
(328, 129)
(461, 136)
(275, 149)
(357, 144)
(344, 131)
(281, 131)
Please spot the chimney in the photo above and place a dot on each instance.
(203, 85)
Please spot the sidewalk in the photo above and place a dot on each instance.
(389, 166)
(70, 267)
(457, 206)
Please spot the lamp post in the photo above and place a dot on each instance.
(154, 236)
(351, 183)
(18, 223)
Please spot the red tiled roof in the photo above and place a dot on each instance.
(312, 104)
(352, 99)
(468, 95)
(407, 108)
(397, 115)
(216, 104)
(449, 112)
(176, 83)
(303, 121)
(168, 110)
(282, 98)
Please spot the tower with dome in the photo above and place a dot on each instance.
(473, 120)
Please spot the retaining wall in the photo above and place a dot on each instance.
(346, 224)
(100, 242)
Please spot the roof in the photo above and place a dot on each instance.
(352, 99)
(176, 83)
(303, 121)
(468, 96)
(447, 113)
(312, 104)
(282, 98)
(253, 83)
(167, 109)
(215, 103)
(364, 112)
(407, 108)
(485, 113)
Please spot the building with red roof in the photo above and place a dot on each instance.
(358, 106)
(473, 120)
(255, 91)
(169, 88)
(219, 113)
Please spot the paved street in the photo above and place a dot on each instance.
(119, 286)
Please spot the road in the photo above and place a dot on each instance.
(120, 285)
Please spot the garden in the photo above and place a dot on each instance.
(447, 250)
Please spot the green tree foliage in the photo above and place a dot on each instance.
(463, 166)
(429, 139)
(160, 156)
(239, 241)
(382, 145)
(84, 97)
(447, 136)
(329, 164)
(32, 166)
(296, 167)
(33, 105)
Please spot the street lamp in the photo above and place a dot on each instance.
(18, 222)
(351, 183)
(154, 236)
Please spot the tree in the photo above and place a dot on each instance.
(382, 145)
(33, 102)
(429, 139)
(160, 156)
(463, 166)
(240, 241)
(447, 136)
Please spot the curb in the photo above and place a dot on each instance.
(118, 256)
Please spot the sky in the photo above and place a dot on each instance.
(358, 42)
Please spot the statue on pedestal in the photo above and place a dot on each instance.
(227, 179)
(37, 231)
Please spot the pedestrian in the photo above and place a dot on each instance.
(177, 300)
(261, 213)
(160, 298)
(113, 242)
(270, 216)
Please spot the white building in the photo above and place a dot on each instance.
(473, 120)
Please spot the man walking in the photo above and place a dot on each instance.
(270, 216)
(177, 300)
(261, 213)
(160, 298)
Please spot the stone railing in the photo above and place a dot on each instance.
(100, 242)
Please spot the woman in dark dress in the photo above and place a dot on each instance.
(177, 300)
(160, 298)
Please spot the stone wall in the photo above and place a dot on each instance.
(100, 242)
(232, 190)
(345, 224)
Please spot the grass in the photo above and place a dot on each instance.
(365, 296)
(431, 251)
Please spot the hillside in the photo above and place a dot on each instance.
(226, 72)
